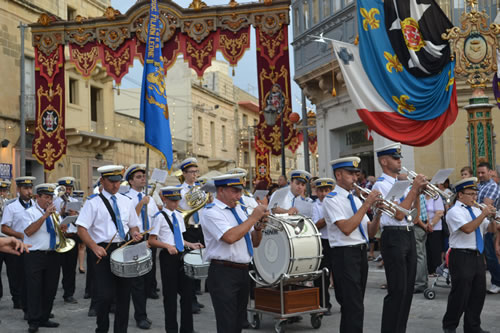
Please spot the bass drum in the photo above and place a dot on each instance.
(291, 246)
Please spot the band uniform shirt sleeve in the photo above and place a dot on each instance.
(216, 220)
(457, 217)
(384, 185)
(13, 216)
(339, 208)
(162, 229)
(96, 218)
(152, 209)
(39, 240)
(317, 214)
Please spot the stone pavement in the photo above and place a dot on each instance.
(425, 314)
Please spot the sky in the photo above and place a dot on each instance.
(245, 72)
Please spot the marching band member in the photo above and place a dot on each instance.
(12, 225)
(41, 264)
(104, 222)
(398, 243)
(323, 187)
(349, 230)
(230, 236)
(4, 194)
(70, 258)
(167, 235)
(78, 195)
(467, 226)
(193, 232)
(142, 285)
(296, 191)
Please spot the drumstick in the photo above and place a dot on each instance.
(132, 240)
(107, 246)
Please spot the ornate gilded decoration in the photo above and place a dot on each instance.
(369, 18)
(80, 19)
(117, 62)
(235, 23)
(199, 54)
(272, 45)
(45, 19)
(47, 42)
(233, 48)
(403, 105)
(169, 24)
(197, 5)
(110, 13)
(80, 36)
(270, 23)
(113, 37)
(199, 29)
(232, 3)
(392, 63)
(85, 62)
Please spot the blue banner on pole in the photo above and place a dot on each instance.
(154, 109)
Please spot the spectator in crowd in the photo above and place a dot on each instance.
(466, 172)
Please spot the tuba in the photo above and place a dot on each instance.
(196, 199)
(65, 244)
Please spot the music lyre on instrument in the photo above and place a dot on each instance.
(388, 208)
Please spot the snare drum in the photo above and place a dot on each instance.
(194, 265)
(130, 269)
(291, 247)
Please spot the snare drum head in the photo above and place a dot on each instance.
(117, 255)
(272, 256)
(194, 257)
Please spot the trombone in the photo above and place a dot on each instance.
(491, 218)
(65, 244)
(431, 190)
(388, 208)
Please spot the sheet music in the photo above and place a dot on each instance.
(76, 206)
(159, 176)
(277, 198)
(441, 176)
(260, 194)
(304, 207)
(398, 190)
(69, 219)
(135, 252)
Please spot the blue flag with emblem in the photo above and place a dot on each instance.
(417, 98)
(154, 109)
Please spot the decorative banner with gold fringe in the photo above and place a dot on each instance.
(117, 62)
(49, 143)
(85, 57)
(199, 55)
(234, 44)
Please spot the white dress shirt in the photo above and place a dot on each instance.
(286, 203)
(384, 185)
(317, 214)
(162, 229)
(339, 208)
(59, 203)
(215, 221)
(13, 215)
(152, 208)
(459, 216)
(96, 218)
(39, 240)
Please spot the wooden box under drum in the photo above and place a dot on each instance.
(295, 299)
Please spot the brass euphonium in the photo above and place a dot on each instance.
(65, 244)
(196, 199)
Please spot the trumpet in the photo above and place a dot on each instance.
(65, 244)
(388, 208)
(491, 218)
(431, 190)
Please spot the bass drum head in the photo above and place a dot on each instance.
(272, 256)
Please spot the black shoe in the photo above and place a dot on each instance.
(92, 312)
(70, 300)
(195, 309)
(17, 305)
(49, 323)
(449, 330)
(153, 295)
(112, 309)
(86, 296)
(417, 291)
(33, 329)
(198, 293)
(327, 313)
(148, 320)
(143, 324)
(51, 315)
(483, 331)
(25, 316)
(246, 324)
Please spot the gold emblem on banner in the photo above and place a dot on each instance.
(201, 54)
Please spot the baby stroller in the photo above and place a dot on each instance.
(442, 273)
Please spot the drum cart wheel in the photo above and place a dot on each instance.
(279, 327)
(316, 320)
(255, 322)
(429, 293)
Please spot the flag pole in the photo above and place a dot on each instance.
(146, 191)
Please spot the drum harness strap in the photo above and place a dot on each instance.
(172, 228)
(111, 212)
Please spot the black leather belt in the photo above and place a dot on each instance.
(467, 251)
(361, 246)
(43, 251)
(400, 228)
(229, 264)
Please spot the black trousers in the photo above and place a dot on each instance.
(42, 269)
(350, 265)
(400, 263)
(228, 287)
(326, 261)
(68, 265)
(434, 247)
(107, 287)
(151, 283)
(139, 296)
(16, 277)
(194, 235)
(174, 282)
(89, 277)
(468, 290)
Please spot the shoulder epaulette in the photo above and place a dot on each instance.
(209, 205)
(92, 196)
(8, 202)
(126, 196)
(157, 213)
(379, 179)
(331, 194)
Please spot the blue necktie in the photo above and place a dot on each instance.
(179, 244)
(479, 237)
(355, 210)
(247, 235)
(243, 206)
(118, 218)
(51, 231)
(196, 217)
(145, 221)
(293, 201)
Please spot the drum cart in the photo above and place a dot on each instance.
(286, 309)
